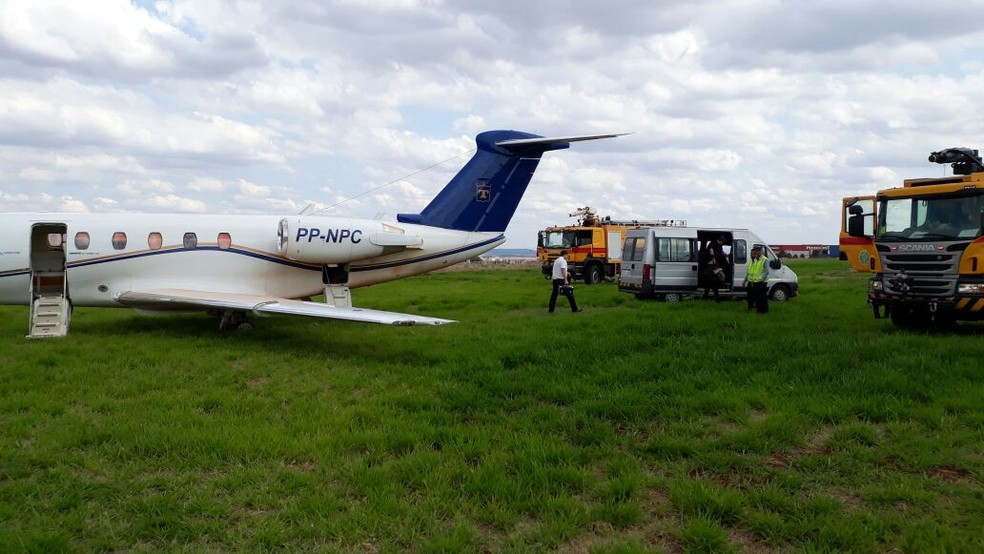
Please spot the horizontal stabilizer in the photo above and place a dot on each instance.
(510, 143)
(181, 299)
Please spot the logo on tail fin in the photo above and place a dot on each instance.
(483, 191)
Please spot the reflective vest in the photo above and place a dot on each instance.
(756, 270)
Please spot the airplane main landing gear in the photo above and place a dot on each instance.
(234, 319)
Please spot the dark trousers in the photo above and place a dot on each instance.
(758, 297)
(556, 290)
(717, 293)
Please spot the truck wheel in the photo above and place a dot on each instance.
(671, 297)
(903, 318)
(592, 274)
(780, 293)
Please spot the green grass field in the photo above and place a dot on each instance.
(632, 427)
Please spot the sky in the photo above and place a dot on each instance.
(758, 114)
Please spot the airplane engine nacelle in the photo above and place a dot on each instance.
(324, 240)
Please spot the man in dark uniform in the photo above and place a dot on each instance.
(757, 281)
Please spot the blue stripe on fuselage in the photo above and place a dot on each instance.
(250, 253)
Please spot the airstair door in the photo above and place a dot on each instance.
(51, 309)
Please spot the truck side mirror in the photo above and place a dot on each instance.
(775, 263)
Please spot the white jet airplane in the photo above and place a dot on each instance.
(233, 265)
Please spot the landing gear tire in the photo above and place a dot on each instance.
(233, 319)
(245, 326)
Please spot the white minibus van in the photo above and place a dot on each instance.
(665, 263)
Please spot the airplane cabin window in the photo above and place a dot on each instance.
(155, 240)
(54, 241)
(82, 240)
(119, 240)
(224, 240)
(190, 241)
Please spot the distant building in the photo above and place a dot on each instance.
(508, 256)
(801, 250)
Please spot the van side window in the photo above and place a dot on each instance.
(119, 240)
(82, 240)
(155, 240)
(633, 249)
(741, 251)
(674, 250)
(190, 241)
(224, 240)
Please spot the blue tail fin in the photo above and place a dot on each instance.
(483, 196)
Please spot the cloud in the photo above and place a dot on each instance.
(173, 203)
(247, 188)
(116, 38)
(205, 184)
(69, 204)
(76, 117)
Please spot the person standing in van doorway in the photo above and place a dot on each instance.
(757, 282)
(713, 273)
(561, 278)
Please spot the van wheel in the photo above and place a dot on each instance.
(671, 297)
(780, 293)
(592, 274)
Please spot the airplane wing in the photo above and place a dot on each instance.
(181, 299)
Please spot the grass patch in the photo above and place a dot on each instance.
(631, 427)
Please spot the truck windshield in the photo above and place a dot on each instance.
(556, 239)
(952, 217)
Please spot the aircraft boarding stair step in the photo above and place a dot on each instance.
(50, 316)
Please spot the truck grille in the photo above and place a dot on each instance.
(931, 274)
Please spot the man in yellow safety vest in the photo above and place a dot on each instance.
(757, 282)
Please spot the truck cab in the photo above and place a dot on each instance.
(923, 244)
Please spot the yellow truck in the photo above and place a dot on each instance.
(594, 245)
(922, 244)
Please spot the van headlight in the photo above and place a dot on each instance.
(970, 288)
(876, 285)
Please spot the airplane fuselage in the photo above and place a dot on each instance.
(106, 255)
